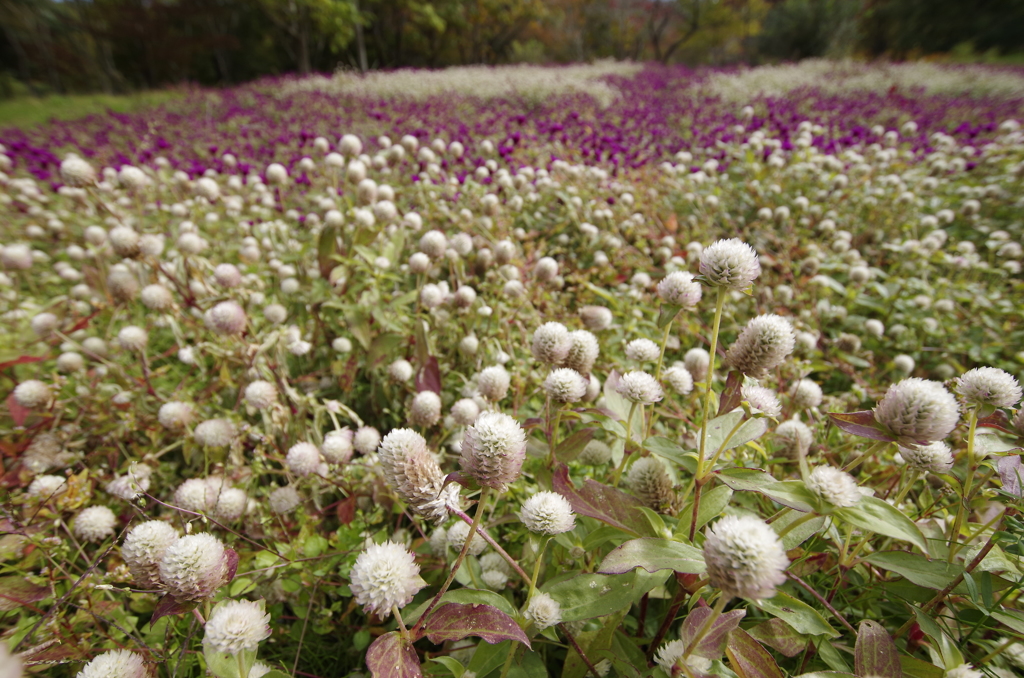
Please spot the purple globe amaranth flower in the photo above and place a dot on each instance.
(493, 450)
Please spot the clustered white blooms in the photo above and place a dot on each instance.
(415, 475)
(762, 399)
(680, 289)
(732, 264)
(670, 659)
(935, 457)
(215, 433)
(639, 387)
(551, 343)
(679, 378)
(457, 535)
(385, 576)
(763, 344)
(544, 611)
(744, 557)
(988, 386)
(95, 523)
(564, 385)
(493, 450)
(918, 411)
(834, 486)
(236, 626)
(547, 513)
(650, 482)
(115, 664)
(194, 567)
(143, 550)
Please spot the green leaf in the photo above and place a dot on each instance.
(875, 653)
(719, 430)
(1011, 618)
(456, 621)
(598, 641)
(778, 634)
(586, 596)
(571, 447)
(653, 555)
(451, 664)
(748, 659)
(932, 574)
(831, 656)
(607, 504)
(798, 614)
(673, 452)
(712, 504)
(951, 654)
(391, 657)
(227, 665)
(790, 493)
(797, 535)
(712, 644)
(918, 668)
(875, 515)
(489, 657)
(465, 596)
(240, 586)
(666, 314)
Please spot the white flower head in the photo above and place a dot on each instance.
(385, 576)
(744, 557)
(732, 264)
(236, 626)
(194, 567)
(215, 433)
(762, 399)
(762, 345)
(366, 439)
(639, 387)
(338, 447)
(642, 350)
(564, 385)
(260, 394)
(547, 513)
(303, 459)
(284, 499)
(670, 656)
(933, 458)
(650, 482)
(596, 318)
(95, 523)
(493, 383)
(457, 535)
(544, 611)
(551, 343)
(583, 352)
(918, 411)
(425, 409)
(834, 486)
(696, 362)
(465, 411)
(493, 450)
(680, 289)
(806, 393)
(679, 378)
(32, 394)
(115, 664)
(964, 671)
(795, 437)
(144, 548)
(988, 386)
(415, 475)
(133, 338)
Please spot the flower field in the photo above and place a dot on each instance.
(610, 370)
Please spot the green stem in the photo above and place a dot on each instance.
(796, 523)
(719, 305)
(661, 356)
(721, 448)
(625, 448)
(878, 446)
(906, 487)
(554, 435)
(508, 659)
(706, 626)
(965, 500)
(536, 570)
(401, 623)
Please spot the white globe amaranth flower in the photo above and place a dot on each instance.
(564, 385)
(433, 244)
(76, 172)
(679, 379)
(596, 453)
(227, 318)
(401, 370)
(680, 289)
(596, 318)
(762, 345)
(46, 487)
(125, 241)
(642, 350)
(156, 297)
(10, 664)
(935, 457)
(795, 438)
(366, 439)
(918, 410)
(696, 361)
(465, 411)
(744, 557)
(650, 482)
(425, 409)
(1014, 652)
(43, 324)
(275, 314)
(284, 499)
(639, 387)
(115, 664)
(191, 495)
(551, 343)
(834, 486)
(494, 579)
(94, 524)
(493, 383)
(457, 535)
(231, 504)
(337, 447)
(132, 484)
(431, 295)
(670, 656)
(175, 416)
(547, 513)
(583, 352)
(493, 450)
(143, 550)
(194, 567)
(385, 576)
(260, 394)
(32, 394)
(761, 399)
(414, 473)
(236, 626)
(302, 459)
(543, 611)
(215, 433)
(731, 263)
(545, 270)
(988, 386)
(806, 393)
(904, 363)
(133, 338)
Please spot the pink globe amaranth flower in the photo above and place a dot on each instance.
(493, 450)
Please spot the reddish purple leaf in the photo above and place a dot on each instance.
(861, 424)
(997, 420)
(571, 447)
(232, 559)
(18, 413)
(607, 504)
(712, 645)
(17, 592)
(875, 654)
(778, 634)
(21, 361)
(457, 477)
(1010, 473)
(390, 657)
(456, 621)
(429, 377)
(748, 659)
(169, 606)
(732, 396)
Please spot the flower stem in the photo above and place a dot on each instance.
(965, 500)
(401, 622)
(661, 356)
(716, 612)
(536, 570)
(719, 305)
(878, 446)
(625, 447)
(495, 545)
(474, 526)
